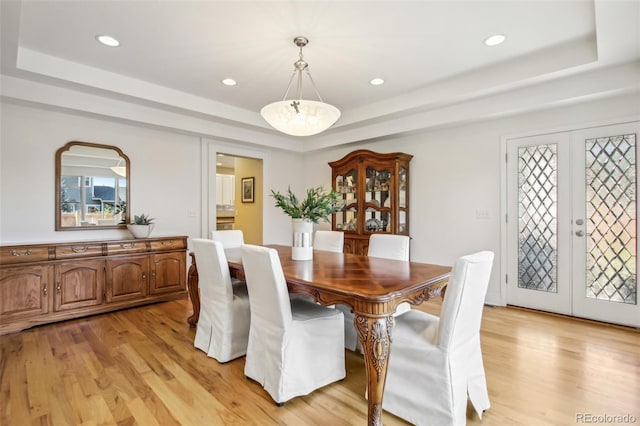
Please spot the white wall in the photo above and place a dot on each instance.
(457, 171)
(454, 172)
(164, 182)
(167, 176)
(281, 171)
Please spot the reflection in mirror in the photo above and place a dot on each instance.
(92, 187)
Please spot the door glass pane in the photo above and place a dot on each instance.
(611, 219)
(537, 217)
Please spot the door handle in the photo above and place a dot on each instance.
(580, 233)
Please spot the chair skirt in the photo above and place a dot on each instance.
(223, 331)
(301, 358)
(425, 384)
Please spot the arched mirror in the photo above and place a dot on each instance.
(92, 187)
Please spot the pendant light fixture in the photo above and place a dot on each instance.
(297, 116)
(119, 170)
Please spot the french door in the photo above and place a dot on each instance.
(572, 236)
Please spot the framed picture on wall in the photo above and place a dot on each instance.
(248, 189)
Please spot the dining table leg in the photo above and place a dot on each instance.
(194, 292)
(375, 338)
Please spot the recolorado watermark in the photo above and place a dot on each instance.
(605, 418)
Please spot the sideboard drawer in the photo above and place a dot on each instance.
(168, 244)
(78, 250)
(22, 254)
(124, 247)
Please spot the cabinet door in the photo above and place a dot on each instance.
(361, 247)
(402, 227)
(127, 278)
(225, 189)
(168, 272)
(377, 199)
(346, 183)
(79, 284)
(24, 292)
(228, 189)
(219, 195)
(349, 245)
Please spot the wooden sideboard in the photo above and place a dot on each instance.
(44, 283)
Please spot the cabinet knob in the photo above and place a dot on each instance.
(58, 288)
(144, 276)
(44, 290)
(153, 275)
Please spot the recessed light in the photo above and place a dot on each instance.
(229, 82)
(108, 40)
(495, 40)
(376, 81)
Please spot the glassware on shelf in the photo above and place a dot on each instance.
(373, 224)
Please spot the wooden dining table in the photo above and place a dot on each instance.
(371, 286)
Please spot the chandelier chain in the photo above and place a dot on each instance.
(313, 83)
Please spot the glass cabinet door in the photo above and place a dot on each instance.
(402, 200)
(377, 200)
(347, 218)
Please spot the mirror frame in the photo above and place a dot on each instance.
(58, 184)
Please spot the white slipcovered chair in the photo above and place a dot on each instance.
(436, 361)
(388, 246)
(223, 326)
(328, 240)
(295, 346)
(232, 238)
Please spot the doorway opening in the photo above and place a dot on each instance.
(238, 195)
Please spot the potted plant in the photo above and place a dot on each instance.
(141, 226)
(304, 212)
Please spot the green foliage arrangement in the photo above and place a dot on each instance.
(143, 219)
(317, 205)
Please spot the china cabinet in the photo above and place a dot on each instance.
(43, 283)
(375, 192)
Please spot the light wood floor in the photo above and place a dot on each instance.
(139, 366)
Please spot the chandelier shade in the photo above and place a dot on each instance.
(119, 170)
(297, 116)
(305, 119)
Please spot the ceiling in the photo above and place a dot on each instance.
(437, 71)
